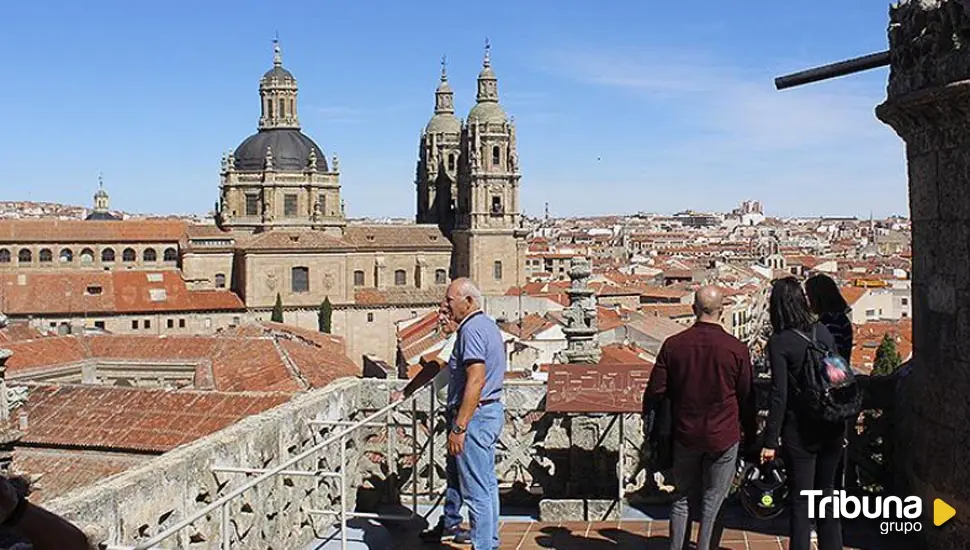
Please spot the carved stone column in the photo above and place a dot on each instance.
(928, 105)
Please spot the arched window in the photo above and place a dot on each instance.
(87, 256)
(220, 280)
(269, 108)
(24, 256)
(496, 155)
(171, 255)
(128, 255)
(359, 277)
(282, 107)
(451, 161)
(67, 255)
(440, 277)
(149, 255)
(4, 256)
(45, 256)
(108, 255)
(400, 277)
(292, 107)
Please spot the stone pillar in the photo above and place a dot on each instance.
(928, 105)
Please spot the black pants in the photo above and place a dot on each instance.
(811, 467)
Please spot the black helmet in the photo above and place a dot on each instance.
(763, 490)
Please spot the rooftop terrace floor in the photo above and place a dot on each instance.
(638, 531)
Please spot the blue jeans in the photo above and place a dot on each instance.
(477, 477)
(452, 512)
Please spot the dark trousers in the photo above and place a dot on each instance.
(811, 467)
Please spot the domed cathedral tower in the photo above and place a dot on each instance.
(438, 160)
(278, 177)
(489, 244)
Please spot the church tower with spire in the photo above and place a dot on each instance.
(439, 157)
(489, 242)
(279, 178)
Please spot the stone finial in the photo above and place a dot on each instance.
(312, 160)
(277, 54)
(336, 163)
(581, 325)
(268, 165)
(487, 62)
(444, 69)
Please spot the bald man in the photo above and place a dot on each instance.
(475, 411)
(706, 374)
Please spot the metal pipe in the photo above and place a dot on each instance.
(619, 502)
(225, 526)
(833, 70)
(414, 456)
(306, 473)
(343, 493)
(270, 473)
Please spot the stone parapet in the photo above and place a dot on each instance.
(133, 506)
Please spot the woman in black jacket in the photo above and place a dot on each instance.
(810, 449)
(828, 303)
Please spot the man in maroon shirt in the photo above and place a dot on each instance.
(706, 374)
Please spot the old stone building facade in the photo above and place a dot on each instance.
(280, 232)
(468, 185)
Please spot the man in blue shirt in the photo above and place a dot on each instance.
(475, 390)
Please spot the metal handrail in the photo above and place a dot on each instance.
(223, 502)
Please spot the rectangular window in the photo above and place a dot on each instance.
(134, 325)
(289, 205)
(497, 271)
(147, 324)
(358, 278)
(301, 279)
(400, 277)
(170, 323)
(181, 323)
(322, 200)
(496, 205)
(252, 205)
(99, 325)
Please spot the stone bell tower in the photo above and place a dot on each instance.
(489, 242)
(439, 156)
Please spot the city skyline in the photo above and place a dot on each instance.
(659, 107)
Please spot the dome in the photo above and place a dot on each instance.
(443, 123)
(490, 112)
(290, 148)
(279, 73)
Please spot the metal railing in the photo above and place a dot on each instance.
(288, 468)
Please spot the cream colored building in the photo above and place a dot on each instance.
(281, 233)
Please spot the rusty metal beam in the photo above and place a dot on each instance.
(826, 72)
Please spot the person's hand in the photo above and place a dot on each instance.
(456, 443)
(767, 455)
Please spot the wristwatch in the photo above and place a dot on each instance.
(457, 429)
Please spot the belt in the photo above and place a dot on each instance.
(482, 403)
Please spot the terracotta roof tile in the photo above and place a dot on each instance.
(86, 417)
(251, 362)
(296, 240)
(397, 236)
(120, 291)
(91, 231)
(61, 471)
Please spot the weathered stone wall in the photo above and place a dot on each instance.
(928, 105)
(137, 504)
(560, 456)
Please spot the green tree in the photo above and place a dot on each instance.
(278, 309)
(325, 315)
(887, 357)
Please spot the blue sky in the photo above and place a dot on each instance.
(620, 106)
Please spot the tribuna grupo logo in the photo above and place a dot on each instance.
(898, 514)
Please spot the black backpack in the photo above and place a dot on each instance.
(828, 390)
